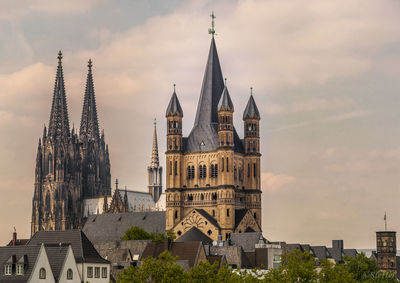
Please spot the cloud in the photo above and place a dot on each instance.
(12, 10)
(274, 182)
(349, 115)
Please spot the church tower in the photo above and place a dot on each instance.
(57, 202)
(213, 176)
(96, 177)
(155, 170)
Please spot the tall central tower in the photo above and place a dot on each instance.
(213, 176)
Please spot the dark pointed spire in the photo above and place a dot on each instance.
(225, 103)
(211, 90)
(174, 107)
(59, 122)
(155, 162)
(251, 111)
(89, 122)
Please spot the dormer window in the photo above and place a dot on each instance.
(20, 269)
(42, 273)
(7, 269)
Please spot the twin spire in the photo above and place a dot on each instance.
(59, 121)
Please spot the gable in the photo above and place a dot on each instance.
(247, 224)
(69, 263)
(201, 220)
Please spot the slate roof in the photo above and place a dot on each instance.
(321, 252)
(20, 242)
(204, 135)
(174, 107)
(350, 252)
(138, 198)
(195, 235)
(184, 250)
(31, 253)
(291, 247)
(225, 103)
(81, 246)
(308, 248)
(56, 255)
(251, 110)
(247, 240)
(337, 254)
(111, 227)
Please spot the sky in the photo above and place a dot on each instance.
(324, 76)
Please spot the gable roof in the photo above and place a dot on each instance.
(195, 235)
(246, 240)
(81, 246)
(321, 252)
(350, 252)
(111, 227)
(208, 217)
(183, 250)
(16, 253)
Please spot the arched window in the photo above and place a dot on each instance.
(200, 171)
(227, 164)
(192, 172)
(248, 170)
(170, 167)
(227, 212)
(255, 170)
(42, 273)
(176, 214)
(50, 163)
(235, 172)
(204, 171)
(213, 213)
(70, 274)
(223, 162)
(188, 172)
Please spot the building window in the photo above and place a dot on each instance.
(170, 167)
(20, 269)
(7, 269)
(104, 272)
(90, 272)
(42, 273)
(70, 274)
(97, 272)
(214, 171)
(248, 170)
(227, 164)
(255, 170)
(227, 212)
(213, 213)
(255, 215)
(176, 214)
(176, 168)
(223, 164)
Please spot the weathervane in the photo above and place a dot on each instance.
(212, 30)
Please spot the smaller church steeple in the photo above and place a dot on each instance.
(225, 119)
(155, 170)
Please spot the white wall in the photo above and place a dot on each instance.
(42, 261)
(93, 279)
(69, 263)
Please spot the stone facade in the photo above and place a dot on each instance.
(213, 176)
(69, 167)
(386, 251)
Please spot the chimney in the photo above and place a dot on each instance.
(337, 244)
(14, 238)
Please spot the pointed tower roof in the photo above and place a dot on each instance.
(225, 103)
(59, 122)
(174, 107)
(251, 111)
(155, 162)
(89, 122)
(204, 135)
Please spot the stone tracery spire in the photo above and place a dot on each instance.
(89, 121)
(155, 162)
(59, 122)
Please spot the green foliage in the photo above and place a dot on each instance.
(171, 235)
(296, 267)
(138, 233)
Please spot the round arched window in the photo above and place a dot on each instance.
(42, 273)
(70, 274)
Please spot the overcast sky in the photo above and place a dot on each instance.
(325, 77)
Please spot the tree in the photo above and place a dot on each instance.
(138, 233)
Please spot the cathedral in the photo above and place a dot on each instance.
(70, 167)
(213, 176)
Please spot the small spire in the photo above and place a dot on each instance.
(251, 90)
(174, 87)
(155, 161)
(59, 57)
(225, 81)
(90, 65)
(212, 29)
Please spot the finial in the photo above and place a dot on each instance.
(15, 230)
(155, 122)
(59, 56)
(116, 184)
(90, 64)
(212, 30)
(251, 90)
(174, 87)
(225, 81)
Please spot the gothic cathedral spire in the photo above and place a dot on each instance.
(59, 123)
(155, 170)
(89, 122)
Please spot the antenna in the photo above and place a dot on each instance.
(384, 218)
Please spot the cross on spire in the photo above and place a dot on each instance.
(212, 30)
(90, 64)
(59, 56)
